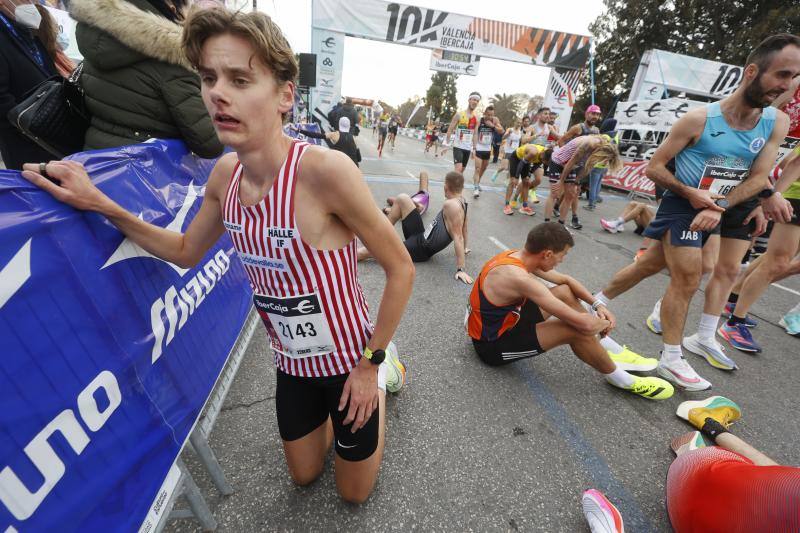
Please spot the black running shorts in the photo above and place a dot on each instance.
(304, 404)
(414, 235)
(732, 226)
(519, 342)
(461, 156)
(796, 206)
(483, 155)
(554, 171)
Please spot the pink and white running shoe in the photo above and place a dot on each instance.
(601, 514)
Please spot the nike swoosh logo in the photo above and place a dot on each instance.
(718, 133)
(339, 443)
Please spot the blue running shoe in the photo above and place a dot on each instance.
(711, 350)
(791, 323)
(729, 308)
(738, 336)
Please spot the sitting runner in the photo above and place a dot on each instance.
(523, 162)
(449, 225)
(511, 315)
(640, 213)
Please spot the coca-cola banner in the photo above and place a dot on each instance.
(631, 178)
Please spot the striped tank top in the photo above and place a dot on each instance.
(310, 300)
(564, 153)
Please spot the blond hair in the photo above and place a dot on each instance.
(271, 47)
(604, 155)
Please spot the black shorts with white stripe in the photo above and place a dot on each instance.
(519, 342)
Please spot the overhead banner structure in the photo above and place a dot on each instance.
(108, 354)
(660, 70)
(431, 28)
(455, 62)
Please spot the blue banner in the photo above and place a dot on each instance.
(108, 354)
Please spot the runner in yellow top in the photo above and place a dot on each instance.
(460, 131)
(523, 162)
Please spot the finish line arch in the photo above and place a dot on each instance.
(566, 54)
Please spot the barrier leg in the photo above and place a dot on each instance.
(209, 460)
(196, 501)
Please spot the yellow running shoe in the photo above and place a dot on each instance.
(631, 361)
(514, 204)
(652, 388)
(719, 408)
(532, 197)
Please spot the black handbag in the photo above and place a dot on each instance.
(54, 115)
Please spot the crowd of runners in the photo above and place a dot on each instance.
(335, 366)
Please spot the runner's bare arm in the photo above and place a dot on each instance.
(791, 173)
(758, 178)
(185, 250)
(576, 286)
(684, 133)
(537, 292)
(451, 131)
(341, 186)
(571, 133)
(456, 225)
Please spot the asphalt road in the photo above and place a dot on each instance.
(474, 448)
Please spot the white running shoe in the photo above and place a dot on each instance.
(600, 513)
(711, 350)
(395, 370)
(477, 192)
(654, 320)
(682, 374)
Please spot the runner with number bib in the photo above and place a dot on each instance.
(460, 132)
(292, 211)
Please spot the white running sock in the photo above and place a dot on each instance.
(611, 345)
(707, 326)
(619, 378)
(656, 314)
(671, 353)
(619, 221)
(603, 298)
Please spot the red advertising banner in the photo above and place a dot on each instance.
(631, 178)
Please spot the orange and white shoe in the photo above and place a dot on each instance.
(526, 210)
(600, 513)
(508, 210)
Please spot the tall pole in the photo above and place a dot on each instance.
(255, 5)
(591, 67)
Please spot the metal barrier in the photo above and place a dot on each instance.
(179, 481)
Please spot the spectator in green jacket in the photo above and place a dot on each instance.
(137, 81)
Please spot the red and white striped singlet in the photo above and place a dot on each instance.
(310, 300)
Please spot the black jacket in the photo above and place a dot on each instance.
(19, 73)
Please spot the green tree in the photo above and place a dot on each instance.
(405, 109)
(441, 95)
(506, 107)
(707, 29)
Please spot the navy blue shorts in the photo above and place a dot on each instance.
(675, 214)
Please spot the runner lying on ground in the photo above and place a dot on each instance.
(729, 486)
(449, 225)
(512, 315)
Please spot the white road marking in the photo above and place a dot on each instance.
(787, 289)
(498, 243)
(410, 175)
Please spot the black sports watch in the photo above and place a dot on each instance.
(766, 193)
(375, 357)
(722, 202)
